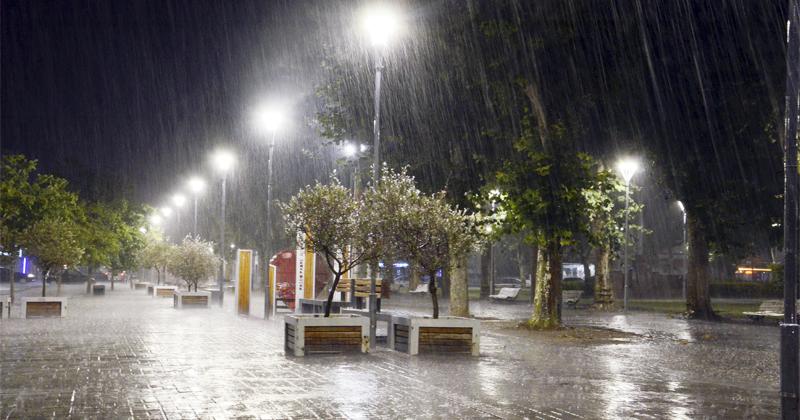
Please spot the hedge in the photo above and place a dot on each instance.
(743, 290)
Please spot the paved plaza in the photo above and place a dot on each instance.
(130, 355)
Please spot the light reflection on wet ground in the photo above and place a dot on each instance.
(129, 355)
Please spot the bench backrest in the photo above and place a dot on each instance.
(509, 292)
(422, 287)
(771, 306)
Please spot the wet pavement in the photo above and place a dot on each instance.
(130, 355)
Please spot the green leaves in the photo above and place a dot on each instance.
(193, 260)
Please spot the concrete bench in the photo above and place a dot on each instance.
(767, 309)
(571, 297)
(506, 294)
(98, 289)
(421, 289)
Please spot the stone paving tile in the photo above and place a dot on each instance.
(126, 355)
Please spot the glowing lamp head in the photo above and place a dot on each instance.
(223, 160)
(350, 149)
(268, 118)
(381, 24)
(166, 211)
(196, 185)
(680, 206)
(155, 219)
(178, 200)
(628, 168)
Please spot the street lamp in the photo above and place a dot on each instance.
(684, 270)
(223, 161)
(155, 219)
(268, 119)
(381, 24)
(178, 200)
(627, 168)
(196, 186)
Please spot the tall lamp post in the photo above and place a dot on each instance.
(178, 200)
(685, 264)
(223, 162)
(268, 119)
(627, 168)
(380, 24)
(790, 373)
(196, 186)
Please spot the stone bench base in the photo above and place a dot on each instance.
(306, 334)
(44, 307)
(415, 335)
(185, 300)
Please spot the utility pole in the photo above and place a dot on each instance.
(790, 363)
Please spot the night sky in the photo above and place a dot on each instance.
(118, 96)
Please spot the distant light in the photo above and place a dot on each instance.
(401, 264)
(143, 230)
(750, 270)
(268, 118)
(155, 219)
(24, 265)
(233, 246)
(381, 23)
(776, 224)
(166, 211)
(223, 160)
(196, 184)
(680, 206)
(30, 275)
(350, 149)
(178, 200)
(363, 147)
(627, 168)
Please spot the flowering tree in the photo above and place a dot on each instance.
(335, 226)
(156, 253)
(425, 229)
(193, 261)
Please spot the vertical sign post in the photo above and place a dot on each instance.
(299, 271)
(244, 277)
(271, 278)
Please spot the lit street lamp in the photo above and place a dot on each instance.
(684, 268)
(627, 168)
(381, 24)
(268, 119)
(196, 186)
(223, 162)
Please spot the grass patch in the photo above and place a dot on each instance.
(722, 308)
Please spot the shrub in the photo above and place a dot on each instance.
(741, 290)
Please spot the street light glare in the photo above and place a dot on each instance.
(381, 24)
(223, 160)
(196, 185)
(350, 149)
(178, 200)
(268, 118)
(155, 219)
(166, 211)
(680, 206)
(628, 168)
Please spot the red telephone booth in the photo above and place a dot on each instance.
(284, 262)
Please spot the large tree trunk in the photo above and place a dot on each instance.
(336, 277)
(698, 298)
(534, 270)
(44, 282)
(60, 280)
(459, 288)
(445, 283)
(547, 306)
(11, 290)
(432, 291)
(89, 271)
(112, 280)
(603, 292)
(521, 262)
(486, 267)
(414, 280)
(388, 279)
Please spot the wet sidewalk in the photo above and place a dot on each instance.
(130, 355)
